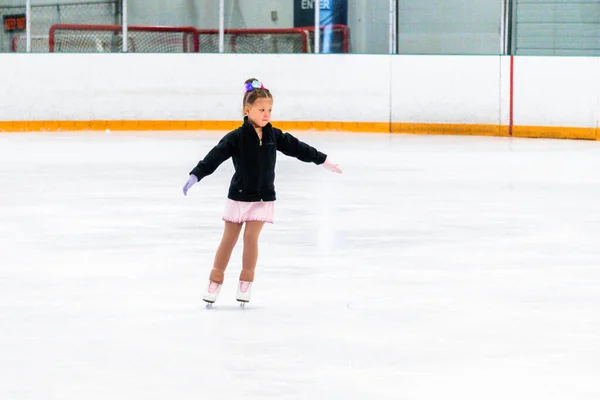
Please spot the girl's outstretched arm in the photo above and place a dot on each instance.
(291, 146)
(216, 156)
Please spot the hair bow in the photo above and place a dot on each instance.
(250, 86)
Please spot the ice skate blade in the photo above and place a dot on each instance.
(209, 304)
(243, 304)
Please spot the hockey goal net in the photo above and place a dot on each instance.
(39, 43)
(83, 38)
(282, 40)
(292, 40)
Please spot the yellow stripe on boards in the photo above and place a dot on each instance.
(154, 125)
(550, 132)
(145, 125)
(449, 129)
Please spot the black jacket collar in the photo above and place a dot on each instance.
(247, 126)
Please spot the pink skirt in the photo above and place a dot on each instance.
(242, 211)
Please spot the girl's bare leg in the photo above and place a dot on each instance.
(250, 256)
(228, 241)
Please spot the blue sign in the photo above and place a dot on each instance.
(332, 12)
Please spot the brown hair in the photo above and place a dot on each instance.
(251, 96)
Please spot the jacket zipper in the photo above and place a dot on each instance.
(260, 144)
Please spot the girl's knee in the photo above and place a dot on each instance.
(250, 241)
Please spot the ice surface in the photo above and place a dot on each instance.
(435, 267)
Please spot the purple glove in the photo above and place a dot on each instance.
(192, 180)
(331, 166)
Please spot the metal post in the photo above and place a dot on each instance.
(317, 6)
(503, 20)
(511, 27)
(28, 25)
(221, 26)
(393, 27)
(125, 26)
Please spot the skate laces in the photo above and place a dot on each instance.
(244, 286)
(213, 287)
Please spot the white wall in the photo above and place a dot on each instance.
(247, 14)
(197, 13)
(368, 21)
(449, 27)
(562, 92)
(204, 14)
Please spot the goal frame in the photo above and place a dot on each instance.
(118, 28)
(260, 31)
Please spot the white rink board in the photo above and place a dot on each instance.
(549, 91)
(439, 89)
(192, 86)
(504, 91)
(557, 91)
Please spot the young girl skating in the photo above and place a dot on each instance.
(253, 148)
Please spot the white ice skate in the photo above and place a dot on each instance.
(243, 292)
(212, 292)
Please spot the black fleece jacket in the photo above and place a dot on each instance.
(254, 160)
